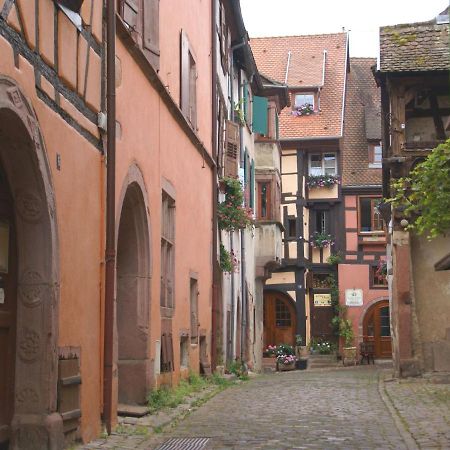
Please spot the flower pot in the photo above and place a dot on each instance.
(301, 351)
(301, 364)
(349, 356)
(285, 367)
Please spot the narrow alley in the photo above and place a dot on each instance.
(345, 408)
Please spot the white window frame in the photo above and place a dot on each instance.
(304, 94)
(373, 163)
(322, 168)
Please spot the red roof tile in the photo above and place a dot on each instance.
(305, 70)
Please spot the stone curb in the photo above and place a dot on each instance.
(410, 442)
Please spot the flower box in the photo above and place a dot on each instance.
(322, 181)
(286, 367)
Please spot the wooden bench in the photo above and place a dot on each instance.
(367, 351)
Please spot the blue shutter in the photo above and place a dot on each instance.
(260, 108)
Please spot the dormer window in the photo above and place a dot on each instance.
(304, 104)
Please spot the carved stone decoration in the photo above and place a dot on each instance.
(29, 345)
(34, 130)
(27, 396)
(29, 206)
(32, 288)
(15, 96)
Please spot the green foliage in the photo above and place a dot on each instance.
(284, 349)
(228, 260)
(231, 213)
(298, 340)
(321, 240)
(334, 259)
(424, 196)
(166, 397)
(238, 368)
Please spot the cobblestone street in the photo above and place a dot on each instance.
(351, 408)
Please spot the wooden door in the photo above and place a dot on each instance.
(279, 320)
(8, 307)
(377, 329)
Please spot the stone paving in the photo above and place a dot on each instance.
(346, 408)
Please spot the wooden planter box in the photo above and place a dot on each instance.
(349, 356)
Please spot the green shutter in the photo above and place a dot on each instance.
(260, 105)
(245, 101)
(277, 126)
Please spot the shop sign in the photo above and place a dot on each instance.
(322, 299)
(354, 297)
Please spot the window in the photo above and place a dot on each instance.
(291, 228)
(264, 199)
(194, 310)
(304, 99)
(224, 38)
(378, 278)
(321, 222)
(188, 82)
(167, 251)
(73, 5)
(282, 314)
(375, 155)
(370, 219)
(166, 353)
(184, 352)
(322, 164)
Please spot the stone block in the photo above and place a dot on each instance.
(441, 356)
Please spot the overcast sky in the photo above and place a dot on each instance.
(362, 18)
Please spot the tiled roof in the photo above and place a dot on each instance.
(415, 47)
(362, 122)
(305, 70)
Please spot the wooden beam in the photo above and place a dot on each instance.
(438, 124)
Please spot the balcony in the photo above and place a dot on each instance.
(268, 245)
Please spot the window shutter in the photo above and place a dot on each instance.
(260, 109)
(151, 26)
(232, 149)
(277, 126)
(129, 12)
(223, 37)
(184, 75)
(246, 105)
(252, 185)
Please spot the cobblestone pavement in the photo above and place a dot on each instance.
(347, 408)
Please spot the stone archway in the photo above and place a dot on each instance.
(35, 423)
(133, 293)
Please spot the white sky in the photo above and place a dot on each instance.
(362, 18)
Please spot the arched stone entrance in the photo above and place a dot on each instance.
(35, 423)
(133, 294)
(280, 320)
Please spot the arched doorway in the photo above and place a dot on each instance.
(280, 319)
(32, 379)
(133, 288)
(377, 329)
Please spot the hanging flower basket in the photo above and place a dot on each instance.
(303, 110)
(318, 181)
(228, 260)
(381, 272)
(321, 240)
(231, 213)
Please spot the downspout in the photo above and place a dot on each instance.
(243, 290)
(215, 274)
(110, 250)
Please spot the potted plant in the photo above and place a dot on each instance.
(321, 240)
(285, 357)
(320, 181)
(301, 350)
(349, 350)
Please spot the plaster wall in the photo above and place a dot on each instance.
(432, 294)
(77, 188)
(356, 276)
(155, 142)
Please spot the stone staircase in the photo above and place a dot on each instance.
(322, 361)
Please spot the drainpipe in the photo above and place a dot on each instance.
(243, 290)
(215, 274)
(110, 250)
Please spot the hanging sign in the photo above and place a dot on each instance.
(322, 299)
(354, 297)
